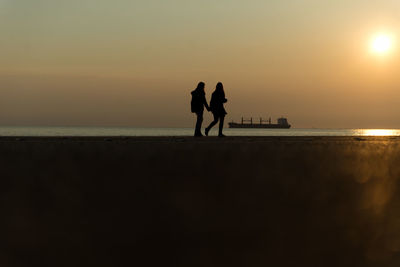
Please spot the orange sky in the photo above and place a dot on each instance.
(134, 63)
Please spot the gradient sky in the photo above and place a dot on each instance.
(134, 63)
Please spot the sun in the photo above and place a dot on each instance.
(381, 44)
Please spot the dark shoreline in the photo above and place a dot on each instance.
(200, 139)
(184, 201)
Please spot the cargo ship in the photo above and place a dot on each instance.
(282, 123)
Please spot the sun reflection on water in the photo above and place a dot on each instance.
(378, 132)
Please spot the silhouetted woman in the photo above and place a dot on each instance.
(217, 108)
(198, 103)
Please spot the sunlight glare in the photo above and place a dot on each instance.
(379, 132)
(381, 43)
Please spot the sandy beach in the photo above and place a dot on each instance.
(182, 201)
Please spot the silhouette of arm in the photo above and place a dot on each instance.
(206, 104)
(222, 99)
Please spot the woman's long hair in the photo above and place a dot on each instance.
(219, 90)
(200, 87)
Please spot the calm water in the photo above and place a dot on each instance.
(125, 131)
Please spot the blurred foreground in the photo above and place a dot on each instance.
(160, 201)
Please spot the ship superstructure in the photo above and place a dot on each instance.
(249, 123)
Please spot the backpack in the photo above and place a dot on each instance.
(194, 105)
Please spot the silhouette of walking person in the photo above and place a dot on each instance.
(217, 108)
(197, 105)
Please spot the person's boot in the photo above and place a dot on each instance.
(198, 134)
(206, 131)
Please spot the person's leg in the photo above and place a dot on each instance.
(215, 121)
(221, 125)
(197, 131)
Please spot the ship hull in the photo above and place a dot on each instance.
(258, 126)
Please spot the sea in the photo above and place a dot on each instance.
(134, 131)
